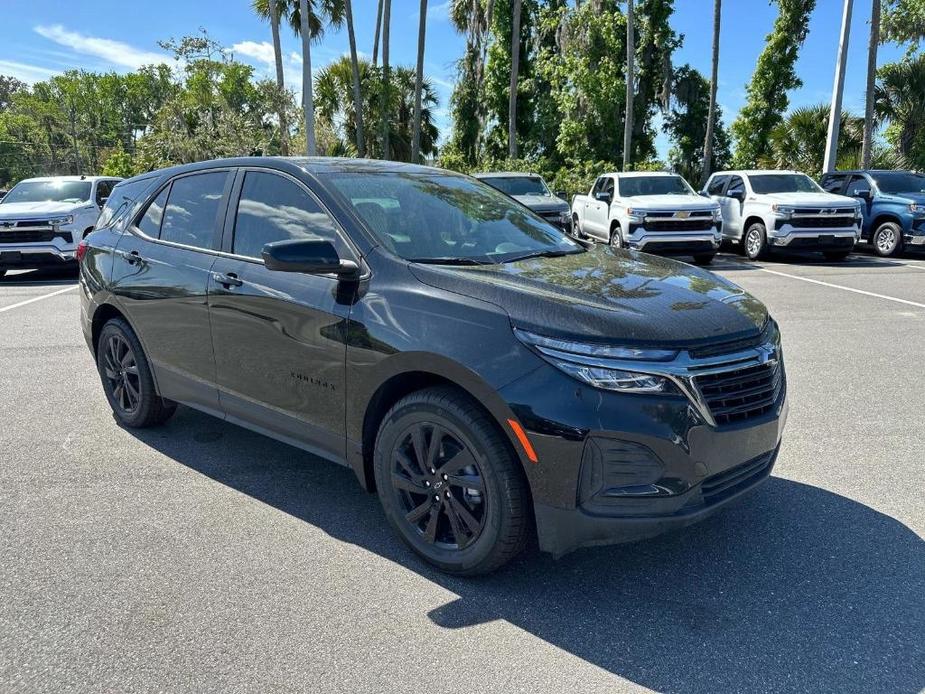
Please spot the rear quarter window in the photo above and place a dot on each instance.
(121, 201)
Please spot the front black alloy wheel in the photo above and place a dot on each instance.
(449, 484)
(127, 379)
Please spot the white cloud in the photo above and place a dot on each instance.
(441, 82)
(27, 73)
(261, 52)
(114, 52)
(439, 12)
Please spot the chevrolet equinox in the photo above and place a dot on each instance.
(489, 377)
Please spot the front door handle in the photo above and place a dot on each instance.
(133, 258)
(229, 280)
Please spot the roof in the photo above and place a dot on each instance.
(505, 174)
(638, 174)
(752, 172)
(869, 171)
(71, 178)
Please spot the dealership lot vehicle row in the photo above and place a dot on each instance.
(168, 559)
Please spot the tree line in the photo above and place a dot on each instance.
(567, 88)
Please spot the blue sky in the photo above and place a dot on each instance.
(38, 39)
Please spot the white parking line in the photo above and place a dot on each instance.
(847, 289)
(37, 298)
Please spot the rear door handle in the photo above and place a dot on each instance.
(229, 280)
(133, 258)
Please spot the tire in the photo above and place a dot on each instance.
(576, 227)
(127, 379)
(704, 258)
(755, 242)
(887, 239)
(616, 239)
(836, 255)
(464, 530)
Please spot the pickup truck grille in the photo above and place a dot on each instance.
(737, 396)
(34, 236)
(821, 222)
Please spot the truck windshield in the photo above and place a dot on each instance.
(631, 186)
(900, 182)
(518, 185)
(446, 218)
(765, 184)
(49, 191)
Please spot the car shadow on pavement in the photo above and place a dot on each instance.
(44, 277)
(793, 588)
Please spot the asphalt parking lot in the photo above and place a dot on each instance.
(201, 557)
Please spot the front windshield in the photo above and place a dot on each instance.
(442, 217)
(900, 182)
(631, 186)
(49, 191)
(518, 185)
(764, 184)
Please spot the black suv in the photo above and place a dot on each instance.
(488, 376)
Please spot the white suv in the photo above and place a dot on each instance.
(766, 210)
(43, 219)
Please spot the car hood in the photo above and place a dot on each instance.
(542, 203)
(660, 202)
(810, 199)
(918, 198)
(605, 295)
(10, 210)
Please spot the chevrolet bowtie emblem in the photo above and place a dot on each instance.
(684, 214)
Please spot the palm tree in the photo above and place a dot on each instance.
(418, 80)
(711, 114)
(386, 76)
(270, 10)
(357, 100)
(799, 141)
(376, 35)
(630, 73)
(900, 101)
(515, 66)
(831, 149)
(867, 151)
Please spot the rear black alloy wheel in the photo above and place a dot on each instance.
(121, 372)
(439, 485)
(449, 483)
(127, 379)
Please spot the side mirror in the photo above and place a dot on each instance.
(311, 256)
(863, 194)
(737, 195)
(602, 196)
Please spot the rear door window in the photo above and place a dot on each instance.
(273, 208)
(736, 185)
(833, 184)
(193, 204)
(857, 186)
(150, 222)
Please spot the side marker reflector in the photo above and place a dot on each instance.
(524, 441)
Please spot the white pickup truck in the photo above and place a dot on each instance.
(43, 219)
(649, 211)
(767, 210)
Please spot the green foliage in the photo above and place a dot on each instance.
(774, 76)
(903, 21)
(119, 163)
(900, 102)
(686, 125)
(798, 142)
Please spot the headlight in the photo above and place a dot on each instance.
(917, 209)
(636, 215)
(782, 210)
(718, 214)
(61, 221)
(588, 363)
(565, 217)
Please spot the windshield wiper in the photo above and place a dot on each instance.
(544, 254)
(450, 260)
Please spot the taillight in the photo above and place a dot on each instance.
(81, 250)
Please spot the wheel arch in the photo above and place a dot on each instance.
(102, 315)
(752, 219)
(882, 218)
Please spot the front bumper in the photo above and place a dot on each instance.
(616, 468)
(674, 242)
(35, 256)
(785, 235)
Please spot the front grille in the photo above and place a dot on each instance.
(821, 222)
(737, 396)
(723, 485)
(717, 349)
(678, 247)
(34, 236)
(671, 215)
(821, 242)
(697, 224)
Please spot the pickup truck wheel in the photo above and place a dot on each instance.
(616, 239)
(704, 258)
(449, 484)
(127, 379)
(755, 242)
(887, 239)
(576, 228)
